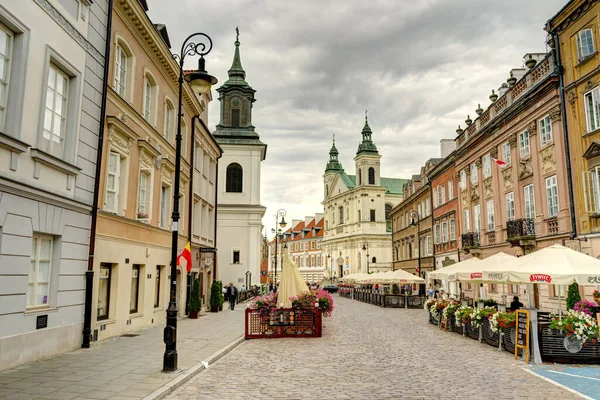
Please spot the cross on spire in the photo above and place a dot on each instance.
(237, 34)
(366, 115)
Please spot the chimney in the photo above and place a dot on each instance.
(447, 146)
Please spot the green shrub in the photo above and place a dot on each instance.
(216, 294)
(573, 295)
(194, 303)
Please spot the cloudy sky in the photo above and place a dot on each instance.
(419, 67)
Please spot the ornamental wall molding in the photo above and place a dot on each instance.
(119, 140)
(532, 128)
(464, 198)
(525, 170)
(474, 193)
(507, 178)
(146, 160)
(572, 98)
(494, 152)
(512, 140)
(70, 29)
(487, 184)
(555, 113)
(548, 159)
(575, 15)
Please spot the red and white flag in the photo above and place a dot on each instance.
(499, 162)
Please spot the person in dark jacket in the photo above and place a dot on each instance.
(232, 293)
(515, 304)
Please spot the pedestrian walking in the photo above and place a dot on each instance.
(232, 293)
(430, 291)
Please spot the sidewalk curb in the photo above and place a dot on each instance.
(188, 374)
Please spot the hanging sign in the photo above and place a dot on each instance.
(522, 336)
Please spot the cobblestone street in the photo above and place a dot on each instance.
(368, 352)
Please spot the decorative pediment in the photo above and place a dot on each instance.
(487, 185)
(507, 178)
(119, 134)
(592, 151)
(525, 170)
(548, 159)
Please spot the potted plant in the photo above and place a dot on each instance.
(216, 296)
(573, 295)
(194, 303)
(597, 296)
(576, 325)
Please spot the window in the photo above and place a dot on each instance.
(514, 289)
(148, 94)
(104, 280)
(557, 290)
(120, 73)
(55, 113)
(476, 218)
(236, 256)
(428, 206)
(6, 41)
(371, 176)
(435, 197)
(545, 130)
(438, 234)
(487, 166)
(445, 232)
(506, 153)
(169, 114)
(592, 109)
(72, 7)
(429, 245)
(585, 43)
(38, 289)
(157, 287)
(529, 202)
(591, 190)
(442, 194)
(524, 144)
(341, 215)
(510, 206)
(489, 208)
(552, 196)
(463, 179)
(359, 176)
(113, 175)
(135, 289)
(235, 118)
(474, 176)
(164, 202)
(372, 215)
(234, 178)
(144, 195)
(452, 229)
(374, 260)
(466, 221)
(450, 189)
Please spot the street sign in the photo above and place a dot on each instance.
(207, 249)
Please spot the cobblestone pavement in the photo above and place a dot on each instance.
(368, 352)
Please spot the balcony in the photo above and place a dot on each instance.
(470, 242)
(521, 232)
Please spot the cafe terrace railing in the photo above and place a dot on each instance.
(285, 322)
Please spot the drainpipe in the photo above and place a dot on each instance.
(216, 206)
(563, 110)
(89, 274)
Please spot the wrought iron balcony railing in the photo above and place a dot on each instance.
(470, 240)
(520, 228)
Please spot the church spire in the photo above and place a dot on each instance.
(367, 145)
(333, 165)
(236, 72)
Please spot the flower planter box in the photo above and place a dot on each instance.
(435, 320)
(456, 327)
(508, 339)
(557, 347)
(490, 337)
(393, 301)
(472, 331)
(416, 301)
(307, 324)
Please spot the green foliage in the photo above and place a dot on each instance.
(573, 296)
(194, 303)
(216, 294)
(488, 302)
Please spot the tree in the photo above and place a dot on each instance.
(573, 295)
(194, 303)
(216, 294)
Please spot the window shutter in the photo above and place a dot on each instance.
(579, 52)
(589, 191)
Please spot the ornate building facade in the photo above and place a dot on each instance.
(239, 215)
(358, 226)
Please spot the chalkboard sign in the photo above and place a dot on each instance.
(41, 322)
(522, 336)
(284, 317)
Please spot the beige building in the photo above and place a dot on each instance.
(133, 245)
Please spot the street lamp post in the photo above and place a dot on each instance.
(366, 248)
(413, 214)
(281, 212)
(200, 82)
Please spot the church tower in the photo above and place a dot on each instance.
(367, 159)
(334, 166)
(239, 212)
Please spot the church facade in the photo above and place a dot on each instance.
(239, 212)
(357, 230)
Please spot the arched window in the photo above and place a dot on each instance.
(169, 120)
(374, 260)
(388, 218)
(234, 178)
(371, 176)
(123, 71)
(326, 190)
(150, 93)
(360, 176)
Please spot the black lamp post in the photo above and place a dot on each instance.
(413, 214)
(366, 248)
(281, 212)
(200, 82)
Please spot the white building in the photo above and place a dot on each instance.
(239, 212)
(51, 79)
(358, 231)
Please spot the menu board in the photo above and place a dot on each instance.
(282, 318)
(522, 336)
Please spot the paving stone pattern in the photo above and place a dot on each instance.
(368, 352)
(123, 367)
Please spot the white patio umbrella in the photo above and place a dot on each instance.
(491, 269)
(446, 272)
(353, 278)
(292, 283)
(397, 276)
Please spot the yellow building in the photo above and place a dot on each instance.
(575, 30)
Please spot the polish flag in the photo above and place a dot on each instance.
(499, 162)
(186, 254)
